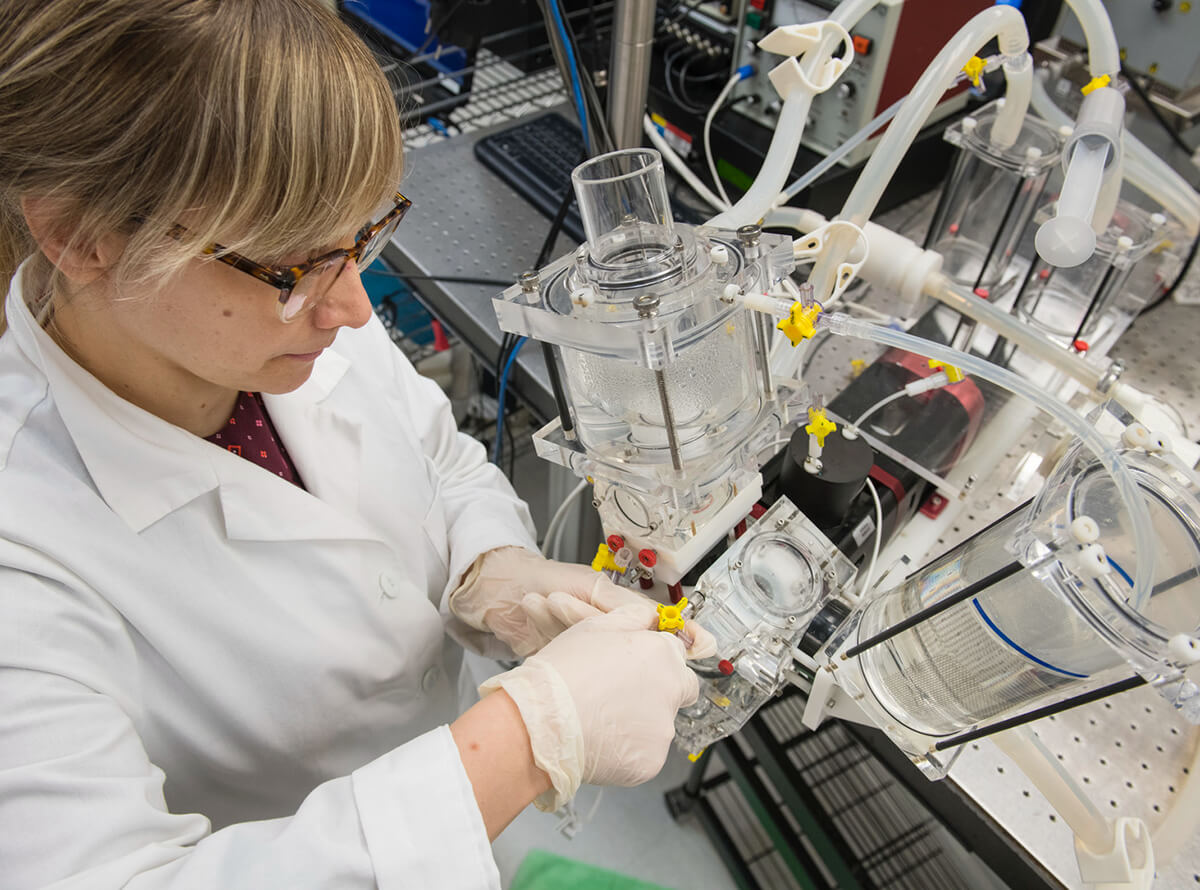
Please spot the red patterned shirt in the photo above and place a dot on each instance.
(249, 433)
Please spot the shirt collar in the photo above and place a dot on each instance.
(143, 466)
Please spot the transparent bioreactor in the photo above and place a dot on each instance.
(760, 600)
(1036, 608)
(666, 378)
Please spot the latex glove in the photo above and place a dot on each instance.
(490, 595)
(599, 701)
(553, 614)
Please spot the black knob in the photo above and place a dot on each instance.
(1163, 5)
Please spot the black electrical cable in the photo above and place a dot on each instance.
(1153, 109)
(682, 12)
(448, 279)
(599, 123)
(1170, 291)
(433, 29)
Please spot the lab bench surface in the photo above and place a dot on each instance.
(1132, 751)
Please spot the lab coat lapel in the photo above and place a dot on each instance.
(326, 448)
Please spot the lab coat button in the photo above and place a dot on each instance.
(429, 679)
(389, 584)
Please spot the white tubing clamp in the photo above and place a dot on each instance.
(796, 40)
(810, 246)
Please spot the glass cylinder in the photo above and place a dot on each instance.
(1089, 306)
(624, 207)
(711, 389)
(990, 197)
(1051, 614)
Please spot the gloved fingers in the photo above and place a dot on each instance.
(634, 616)
(539, 614)
(607, 596)
(568, 610)
(690, 690)
(704, 644)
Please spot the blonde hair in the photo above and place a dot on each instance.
(264, 125)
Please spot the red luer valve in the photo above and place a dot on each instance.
(648, 558)
(725, 666)
(615, 543)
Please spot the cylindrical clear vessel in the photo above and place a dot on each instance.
(990, 197)
(1059, 621)
(624, 207)
(1090, 305)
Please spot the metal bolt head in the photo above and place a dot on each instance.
(737, 564)
(646, 305)
(749, 235)
(596, 503)
(529, 281)
(781, 522)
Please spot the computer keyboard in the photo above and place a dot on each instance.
(536, 158)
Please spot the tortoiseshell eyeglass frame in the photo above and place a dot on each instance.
(286, 279)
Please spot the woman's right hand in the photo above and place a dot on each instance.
(599, 701)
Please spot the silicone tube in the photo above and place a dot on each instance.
(777, 166)
(1104, 56)
(1059, 787)
(1018, 75)
(1003, 23)
(1123, 481)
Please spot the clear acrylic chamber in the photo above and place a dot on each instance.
(990, 197)
(664, 374)
(1052, 617)
(759, 600)
(1096, 301)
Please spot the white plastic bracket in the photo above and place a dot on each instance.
(1129, 865)
(796, 40)
(810, 246)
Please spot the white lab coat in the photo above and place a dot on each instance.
(211, 678)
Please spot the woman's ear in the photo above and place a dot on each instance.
(50, 221)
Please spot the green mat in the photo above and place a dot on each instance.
(545, 871)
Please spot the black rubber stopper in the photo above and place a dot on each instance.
(825, 497)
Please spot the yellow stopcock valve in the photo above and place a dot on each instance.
(974, 70)
(670, 618)
(953, 374)
(819, 425)
(801, 322)
(605, 561)
(857, 366)
(1095, 83)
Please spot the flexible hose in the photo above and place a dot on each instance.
(1123, 481)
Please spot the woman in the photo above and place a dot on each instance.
(236, 522)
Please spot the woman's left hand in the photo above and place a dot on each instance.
(507, 592)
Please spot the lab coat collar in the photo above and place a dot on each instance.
(146, 468)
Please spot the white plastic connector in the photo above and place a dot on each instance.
(583, 296)
(1184, 649)
(719, 254)
(1159, 444)
(925, 384)
(1085, 530)
(1136, 436)
(1090, 561)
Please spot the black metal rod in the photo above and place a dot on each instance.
(937, 608)
(1096, 294)
(560, 394)
(997, 352)
(1012, 203)
(1020, 720)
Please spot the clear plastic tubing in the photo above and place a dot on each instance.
(1002, 22)
(840, 152)
(1123, 481)
(1009, 327)
(789, 129)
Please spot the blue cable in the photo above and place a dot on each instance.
(573, 69)
(512, 357)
